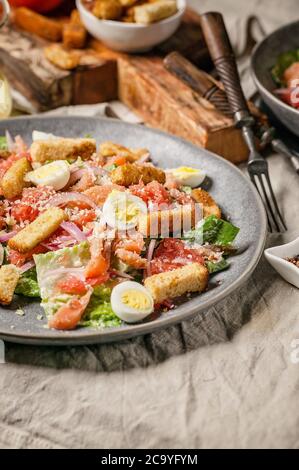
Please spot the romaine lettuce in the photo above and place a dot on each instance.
(215, 267)
(213, 231)
(52, 266)
(99, 313)
(28, 285)
(3, 143)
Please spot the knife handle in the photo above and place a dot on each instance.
(198, 80)
(222, 54)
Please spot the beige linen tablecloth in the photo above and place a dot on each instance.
(225, 379)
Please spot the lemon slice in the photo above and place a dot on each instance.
(5, 98)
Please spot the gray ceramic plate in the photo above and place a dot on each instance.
(232, 190)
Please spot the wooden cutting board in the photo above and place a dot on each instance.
(139, 81)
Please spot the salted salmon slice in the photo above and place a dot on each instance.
(69, 315)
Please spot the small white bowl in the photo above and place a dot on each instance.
(276, 256)
(131, 37)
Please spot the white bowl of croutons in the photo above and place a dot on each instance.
(131, 25)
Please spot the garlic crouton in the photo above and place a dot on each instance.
(9, 276)
(130, 173)
(4, 154)
(40, 229)
(62, 149)
(13, 183)
(107, 9)
(74, 35)
(209, 205)
(190, 278)
(61, 57)
(110, 149)
(178, 220)
(157, 11)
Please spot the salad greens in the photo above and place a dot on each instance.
(51, 266)
(214, 267)
(3, 143)
(28, 284)
(54, 264)
(283, 62)
(213, 231)
(99, 312)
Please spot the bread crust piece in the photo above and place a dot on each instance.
(152, 12)
(110, 149)
(62, 58)
(131, 173)
(74, 36)
(107, 9)
(9, 277)
(13, 183)
(38, 24)
(182, 218)
(209, 205)
(128, 3)
(5, 154)
(39, 230)
(169, 285)
(62, 149)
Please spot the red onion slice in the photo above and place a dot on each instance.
(117, 273)
(74, 231)
(144, 158)
(75, 176)
(6, 236)
(10, 141)
(27, 266)
(99, 171)
(150, 253)
(63, 198)
(1, 255)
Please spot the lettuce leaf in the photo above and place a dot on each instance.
(28, 285)
(213, 231)
(214, 267)
(99, 313)
(3, 143)
(51, 266)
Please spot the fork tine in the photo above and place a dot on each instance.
(270, 210)
(256, 186)
(274, 201)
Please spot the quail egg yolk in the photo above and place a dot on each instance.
(136, 299)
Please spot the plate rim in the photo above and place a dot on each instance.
(123, 333)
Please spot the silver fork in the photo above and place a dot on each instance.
(221, 51)
(259, 175)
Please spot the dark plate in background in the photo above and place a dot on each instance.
(231, 189)
(263, 59)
